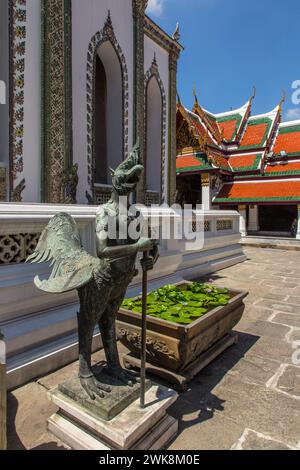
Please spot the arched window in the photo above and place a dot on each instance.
(108, 119)
(100, 123)
(154, 107)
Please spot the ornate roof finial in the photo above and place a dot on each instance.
(253, 94)
(282, 100)
(176, 35)
(108, 22)
(195, 95)
(178, 98)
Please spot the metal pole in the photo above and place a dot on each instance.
(144, 331)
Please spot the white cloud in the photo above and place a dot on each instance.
(292, 114)
(155, 7)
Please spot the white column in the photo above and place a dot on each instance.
(298, 227)
(253, 225)
(206, 192)
(243, 220)
(3, 392)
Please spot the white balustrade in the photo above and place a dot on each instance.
(41, 328)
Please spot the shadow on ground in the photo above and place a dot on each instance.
(199, 403)
(13, 440)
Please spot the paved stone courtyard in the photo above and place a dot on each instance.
(248, 398)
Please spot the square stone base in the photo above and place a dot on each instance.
(134, 428)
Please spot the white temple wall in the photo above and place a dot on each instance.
(88, 17)
(162, 59)
(32, 105)
(4, 78)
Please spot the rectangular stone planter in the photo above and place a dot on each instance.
(173, 346)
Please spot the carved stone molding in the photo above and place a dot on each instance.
(138, 8)
(3, 183)
(16, 248)
(173, 58)
(57, 97)
(153, 72)
(106, 34)
(160, 37)
(17, 26)
(205, 180)
(153, 345)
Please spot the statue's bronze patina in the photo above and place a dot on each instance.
(101, 281)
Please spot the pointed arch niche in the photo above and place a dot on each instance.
(107, 106)
(155, 135)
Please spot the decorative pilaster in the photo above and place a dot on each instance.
(298, 224)
(253, 225)
(3, 182)
(153, 72)
(173, 58)
(206, 194)
(243, 220)
(138, 9)
(17, 50)
(57, 98)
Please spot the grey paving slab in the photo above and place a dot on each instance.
(248, 398)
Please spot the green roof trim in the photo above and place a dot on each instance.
(290, 129)
(268, 175)
(282, 173)
(189, 169)
(255, 122)
(233, 117)
(293, 154)
(203, 165)
(256, 199)
(250, 167)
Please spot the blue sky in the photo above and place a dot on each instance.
(231, 45)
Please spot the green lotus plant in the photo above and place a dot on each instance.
(181, 305)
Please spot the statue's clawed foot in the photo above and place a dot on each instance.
(128, 378)
(94, 388)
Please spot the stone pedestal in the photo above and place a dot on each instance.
(81, 428)
(243, 220)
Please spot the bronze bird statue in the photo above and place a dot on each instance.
(101, 281)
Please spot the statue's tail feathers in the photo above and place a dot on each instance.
(39, 257)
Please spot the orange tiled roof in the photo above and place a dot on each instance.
(288, 141)
(260, 191)
(187, 160)
(245, 162)
(254, 134)
(228, 128)
(289, 167)
(187, 163)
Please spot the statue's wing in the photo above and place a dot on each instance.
(72, 266)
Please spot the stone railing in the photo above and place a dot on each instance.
(152, 198)
(214, 223)
(102, 193)
(41, 328)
